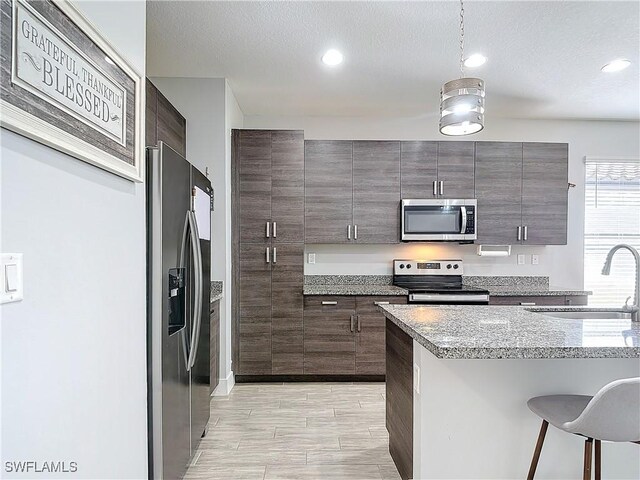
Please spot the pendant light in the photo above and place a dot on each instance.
(462, 100)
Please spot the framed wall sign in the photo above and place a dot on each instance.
(64, 85)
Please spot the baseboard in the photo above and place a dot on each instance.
(225, 385)
(308, 378)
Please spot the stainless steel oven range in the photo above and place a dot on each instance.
(437, 282)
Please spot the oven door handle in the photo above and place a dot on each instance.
(463, 228)
(439, 298)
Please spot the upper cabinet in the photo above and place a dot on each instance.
(352, 191)
(376, 192)
(437, 169)
(270, 183)
(522, 193)
(499, 192)
(456, 169)
(419, 169)
(163, 122)
(544, 193)
(328, 195)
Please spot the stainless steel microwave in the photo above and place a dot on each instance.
(444, 220)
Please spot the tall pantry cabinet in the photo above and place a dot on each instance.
(268, 251)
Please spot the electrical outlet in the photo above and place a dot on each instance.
(534, 259)
(416, 378)
(312, 258)
(521, 259)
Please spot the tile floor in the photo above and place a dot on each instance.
(328, 431)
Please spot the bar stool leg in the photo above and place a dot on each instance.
(588, 449)
(536, 453)
(598, 459)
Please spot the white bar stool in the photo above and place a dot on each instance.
(612, 415)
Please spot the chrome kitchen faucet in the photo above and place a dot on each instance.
(606, 269)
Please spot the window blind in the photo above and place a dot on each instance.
(612, 216)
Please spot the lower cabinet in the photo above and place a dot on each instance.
(541, 300)
(329, 341)
(345, 335)
(214, 345)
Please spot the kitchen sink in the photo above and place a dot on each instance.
(603, 315)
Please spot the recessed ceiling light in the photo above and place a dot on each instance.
(108, 60)
(332, 58)
(475, 60)
(616, 65)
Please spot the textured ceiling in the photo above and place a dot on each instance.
(544, 57)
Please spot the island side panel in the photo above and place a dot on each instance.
(471, 418)
(399, 398)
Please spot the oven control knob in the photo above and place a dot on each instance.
(401, 265)
(455, 266)
(448, 266)
(408, 265)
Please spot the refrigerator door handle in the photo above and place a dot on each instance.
(197, 314)
(183, 248)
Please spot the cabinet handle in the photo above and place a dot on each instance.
(349, 232)
(358, 319)
(326, 302)
(351, 325)
(381, 303)
(274, 230)
(526, 232)
(528, 304)
(435, 188)
(268, 229)
(519, 232)
(441, 187)
(267, 254)
(275, 254)
(355, 232)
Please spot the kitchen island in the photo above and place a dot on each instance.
(459, 377)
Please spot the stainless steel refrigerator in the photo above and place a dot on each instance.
(179, 203)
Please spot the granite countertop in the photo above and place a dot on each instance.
(517, 291)
(216, 291)
(354, 290)
(509, 332)
(498, 286)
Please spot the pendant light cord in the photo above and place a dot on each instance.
(461, 39)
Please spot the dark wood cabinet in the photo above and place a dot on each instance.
(287, 186)
(254, 316)
(456, 162)
(370, 333)
(418, 169)
(329, 341)
(376, 192)
(214, 345)
(541, 300)
(151, 114)
(522, 193)
(267, 235)
(254, 183)
(328, 191)
(163, 122)
(544, 193)
(287, 278)
(498, 189)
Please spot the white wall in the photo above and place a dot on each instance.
(234, 118)
(563, 264)
(212, 111)
(74, 350)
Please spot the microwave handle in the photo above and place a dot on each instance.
(463, 228)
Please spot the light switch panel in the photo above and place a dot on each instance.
(12, 284)
(312, 258)
(521, 259)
